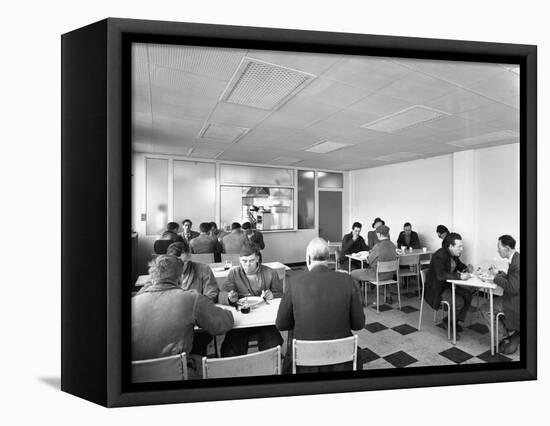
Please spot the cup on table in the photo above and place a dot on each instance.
(424, 249)
(403, 248)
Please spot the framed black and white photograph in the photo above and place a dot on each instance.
(280, 212)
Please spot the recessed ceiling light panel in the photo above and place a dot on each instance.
(222, 132)
(326, 147)
(485, 138)
(409, 117)
(399, 156)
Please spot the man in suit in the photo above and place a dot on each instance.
(187, 233)
(353, 243)
(321, 304)
(408, 238)
(232, 243)
(509, 301)
(169, 236)
(446, 265)
(372, 237)
(164, 315)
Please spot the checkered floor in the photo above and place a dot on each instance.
(391, 338)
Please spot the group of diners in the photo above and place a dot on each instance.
(176, 311)
(210, 239)
(445, 265)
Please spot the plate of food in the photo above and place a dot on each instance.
(250, 300)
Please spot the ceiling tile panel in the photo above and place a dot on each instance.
(417, 88)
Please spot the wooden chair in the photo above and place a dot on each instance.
(166, 369)
(203, 257)
(232, 257)
(263, 363)
(409, 267)
(324, 352)
(423, 275)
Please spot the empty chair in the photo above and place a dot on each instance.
(381, 267)
(203, 257)
(408, 267)
(166, 369)
(263, 363)
(425, 259)
(232, 257)
(324, 352)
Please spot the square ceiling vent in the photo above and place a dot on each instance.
(222, 133)
(263, 85)
(409, 117)
(326, 147)
(500, 135)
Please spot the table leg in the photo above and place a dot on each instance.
(491, 316)
(453, 321)
(349, 265)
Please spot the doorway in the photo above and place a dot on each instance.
(330, 215)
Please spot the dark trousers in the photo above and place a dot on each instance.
(236, 341)
(201, 339)
(463, 300)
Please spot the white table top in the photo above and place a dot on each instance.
(143, 279)
(260, 315)
(474, 282)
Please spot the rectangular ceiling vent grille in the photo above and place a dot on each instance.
(263, 85)
(399, 156)
(501, 135)
(222, 133)
(286, 160)
(326, 147)
(409, 117)
(204, 153)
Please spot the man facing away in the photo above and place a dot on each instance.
(250, 278)
(446, 265)
(321, 305)
(168, 236)
(384, 250)
(164, 315)
(353, 243)
(253, 235)
(232, 243)
(509, 301)
(442, 231)
(408, 238)
(204, 243)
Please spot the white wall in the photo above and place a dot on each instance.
(474, 192)
(418, 191)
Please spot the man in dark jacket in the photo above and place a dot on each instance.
(169, 236)
(408, 238)
(321, 305)
(446, 265)
(442, 231)
(188, 234)
(164, 315)
(205, 243)
(353, 243)
(509, 302)
(250, 278)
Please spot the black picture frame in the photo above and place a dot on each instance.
(96, 169)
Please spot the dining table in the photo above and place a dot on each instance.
(362, 256)
(475, 281)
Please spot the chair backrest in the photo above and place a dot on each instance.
(263, 363)
(166, 369)
(388, 265)
(324, 352)
(203, 257)
(411, 259)
(232, 257)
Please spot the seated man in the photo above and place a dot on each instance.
(353, 243)
(169, 236)
(163, 315)
(446, 265)
(253, 235)
(372, 237)
(199, 277)
(442, 231)
(408, 238)
(204, 243)
(251, 278)
(321, 305)
(232, 243)
(187, 233)
(384, 250)
(509, 301)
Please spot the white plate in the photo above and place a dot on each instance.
(218, 269)
(251, 300)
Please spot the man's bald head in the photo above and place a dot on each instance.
(317, 252)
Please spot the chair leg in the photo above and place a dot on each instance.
(398, 296)
(377, 299)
